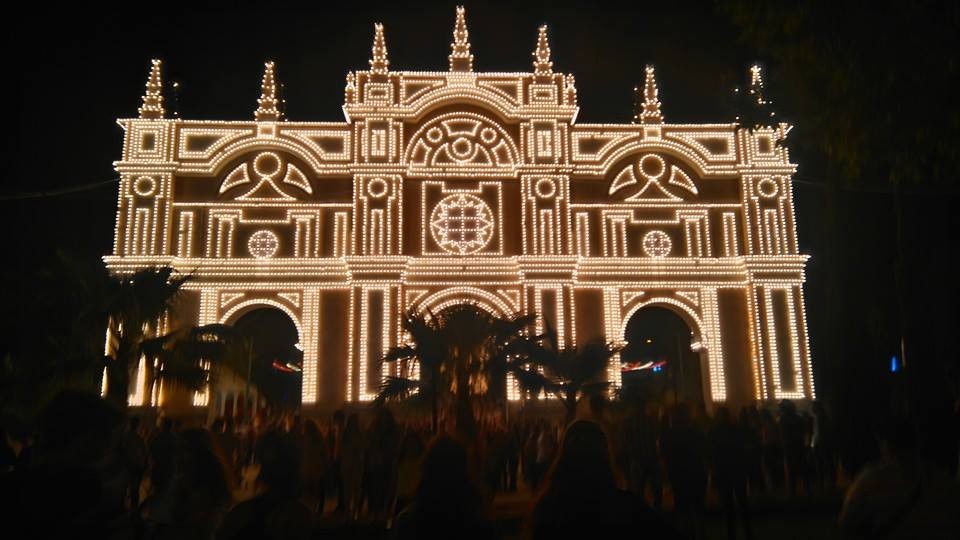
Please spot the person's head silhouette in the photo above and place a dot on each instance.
(583, 464)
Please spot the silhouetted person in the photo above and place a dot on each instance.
(493, 461)
(823, 446)
(546, 447)
(162, 452)
(643, 460)
(530, 472)
(753, 448)
(772, 448)
(792, 433)
(447, 503)
(351, 466)
(277, 512)
(581, 498)
(192, 505)
(76, 484)
(8, 458)
(380, 463)
(135, 457)
(728, 445)
(316, 466)
(683, 447)
(511, 452)
(902, 496)
(334, 440)
(408, 469)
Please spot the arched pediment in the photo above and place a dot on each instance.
(462, 141)
(484, 98)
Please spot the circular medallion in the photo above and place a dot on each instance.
(656, 244)
(263, 244)
(144, 186)
(768, 188)
(267, 164)
(462, 224)
(545, 188)
(652, 166)
(377, 188)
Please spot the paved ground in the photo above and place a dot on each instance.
(773, 518)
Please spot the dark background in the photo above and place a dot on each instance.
(872, 89)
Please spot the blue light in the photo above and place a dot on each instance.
(657, 369)
(894, 364)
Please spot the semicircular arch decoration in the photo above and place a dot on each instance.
(652, 177)
(237, 311)
(689, 314)
(445, 298)
(462, 141)
(266, 175)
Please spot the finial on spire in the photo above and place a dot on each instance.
(267, 109)
(570, 85)
(648, 111)
(756, 84)
(153, 98)
(542, 66)
(379, 62)
(350, 90)
(753, 108)
(460, 57)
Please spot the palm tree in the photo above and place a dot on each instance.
(571, 371)
(463, 353)
(178, 357)
(426, 346)
(135, 306)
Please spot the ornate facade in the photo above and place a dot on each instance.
(458, 186)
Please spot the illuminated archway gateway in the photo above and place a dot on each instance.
(443, 187)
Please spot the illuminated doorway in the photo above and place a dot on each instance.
(661, 360)
(274, 365)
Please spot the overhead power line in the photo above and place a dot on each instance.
(57, 192)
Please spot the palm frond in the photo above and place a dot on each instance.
(397, 389)
(400, 352)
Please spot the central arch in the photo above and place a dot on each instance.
(664, 356)
(274, 365)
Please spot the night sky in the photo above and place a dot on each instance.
(71, 72)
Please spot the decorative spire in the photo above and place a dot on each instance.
(460, 57)
(542, 66)
(650, 109)
(153, 98)
(379, 62)
(268, 110)
(350, 90)
(753, 108)
(756, 84)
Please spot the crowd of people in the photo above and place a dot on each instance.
(93, 471)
